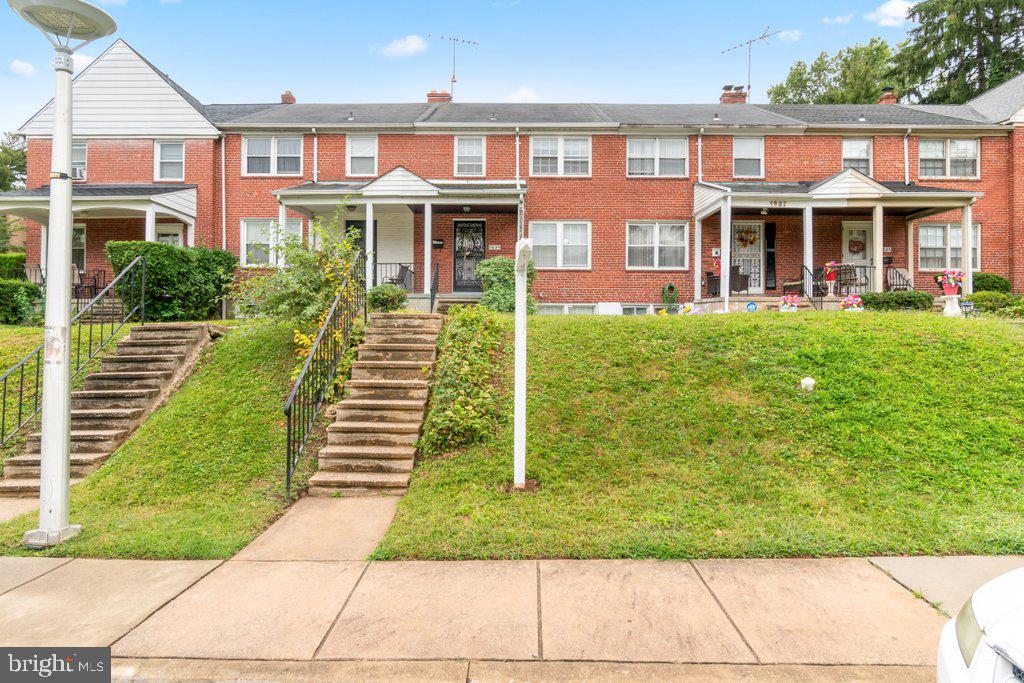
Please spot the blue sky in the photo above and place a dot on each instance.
(530, 50)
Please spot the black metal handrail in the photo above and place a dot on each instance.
(816, 295)
(433, 285)
(93, 332)
(316, 381)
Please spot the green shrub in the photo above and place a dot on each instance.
(11, 262)
(897, 301)
(385, 298)
(1013, 311)
(182, 283)
(17, 301)
(464, 400)
(990, 282)
(498, 277)
(990, 301)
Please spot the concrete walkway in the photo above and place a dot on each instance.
(301, 603)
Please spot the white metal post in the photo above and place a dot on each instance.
(150, 224)
(809, 250)
(726, 249)
(428, 244)
(55, 447)
(371, 257)
(910, 252)
(877, 238)
(697, 264)
(524, 253)
(966, 246)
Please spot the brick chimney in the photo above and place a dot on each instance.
(733, 95)
(287, 97)
(435, 96)
(888, 96)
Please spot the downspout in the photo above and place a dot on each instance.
(223, 213)
(906, 157)
(700, 156)
(520, 208)
(316, 156)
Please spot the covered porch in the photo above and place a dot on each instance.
(426, 236)
(776, 237)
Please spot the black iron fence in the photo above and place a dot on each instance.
(399, 274)
(853, 279)
(317, 381)
(92, 328)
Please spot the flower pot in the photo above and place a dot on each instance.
(787, 309)
(831, 276)
(950, 290)
(854, 310)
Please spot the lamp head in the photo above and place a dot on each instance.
(66, 19)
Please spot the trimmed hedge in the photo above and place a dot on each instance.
(498, 277)
(993, 301)
(12, 262)
(16, 300)
(898, 301)
(990, 282)
(385, 298)
(182, 283)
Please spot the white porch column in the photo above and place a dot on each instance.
(877, 234)
(910, 252)
(371, 257)
(697, 264)
(966, 245)
(726, 248)
(808, 250)
(428, 228)
(191, 227)
(43, 236)
(150, 224)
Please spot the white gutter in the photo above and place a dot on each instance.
(316, 156)
(906, 157)
(700, 156)
(517, 157)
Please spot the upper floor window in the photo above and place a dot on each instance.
(470, 156)
(362, 155)
(664, 157)
(260, 241)
(561, 244)
(79, 160)
(273, 156)
(560, 156)
(948, 158)
(857, 154)
(656, 245)
(940, 246)
(748, 157)
(170, 161)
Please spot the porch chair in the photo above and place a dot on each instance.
(797, 286)
(850, 279)
(403, 279)
(898, 280)
(738, 282)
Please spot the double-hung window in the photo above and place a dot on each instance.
(948, 158)
(273, 156)
(79, 160)
(261, 241)
(78, 245)
(656, 245)
(857, 154)
(939, 246)
(560, 156)
(561, 244)
(664, 157)
(361, 155)
(748, 157)
(470, 156)
(170, 161)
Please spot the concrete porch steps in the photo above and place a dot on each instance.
(131, 381)
(371, 446)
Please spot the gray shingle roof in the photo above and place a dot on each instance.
(873, 115)
(696, 115)
(805, 187)
(101, 191)
(333, 114)
(1001, 102)
(226, 113)
(515, 113)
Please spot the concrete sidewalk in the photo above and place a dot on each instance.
(294, 607)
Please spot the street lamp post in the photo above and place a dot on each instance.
(61, 21)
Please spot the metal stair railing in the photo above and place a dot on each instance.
(433, 285)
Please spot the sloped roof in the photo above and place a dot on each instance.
(875, 114)
(1002, 102)
(137, 190)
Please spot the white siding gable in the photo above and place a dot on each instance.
(400, 182)
(184, 202)
(850, 184)
(121, 95)
(704, 197)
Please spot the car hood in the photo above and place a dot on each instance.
(999, 608)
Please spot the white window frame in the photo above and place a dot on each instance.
(348, 155)
(276, 259)
(75, 227)
(483, 156)
(948, 159)
(158, 146)
(81, 144)
(948, 227)
(272, 173)
(565, 308)
(561, 156)
(560, 243)
(734, 157)
(871, 153)
(657, 157)
(657, 245)
(171, 228)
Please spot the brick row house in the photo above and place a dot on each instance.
(620, 199)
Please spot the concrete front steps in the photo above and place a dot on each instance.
(131, 382)
(371, 447)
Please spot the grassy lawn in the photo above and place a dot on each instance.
(17, 342)
(204, 474)
(679, 437)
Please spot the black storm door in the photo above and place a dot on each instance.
(469, 251)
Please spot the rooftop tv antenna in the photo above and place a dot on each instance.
(749, 44)
(455, 41)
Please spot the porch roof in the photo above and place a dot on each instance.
(177, 200)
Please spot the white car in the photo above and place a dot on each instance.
(985, 642)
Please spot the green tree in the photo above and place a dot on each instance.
(854, 75)
(12, 175)
(961, 48)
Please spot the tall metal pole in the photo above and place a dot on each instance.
(524, 253)
(55, 448)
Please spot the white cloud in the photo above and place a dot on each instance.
(20, 68)
(404, 47)
(890, 13)
(523, 94)
(842, 19)
(791, 36)
(81, 61)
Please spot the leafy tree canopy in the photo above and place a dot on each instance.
(854, 75)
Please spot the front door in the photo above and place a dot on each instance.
(469, 251)
(748, 252)
(857, 243)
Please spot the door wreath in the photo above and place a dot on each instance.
(746, 237)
